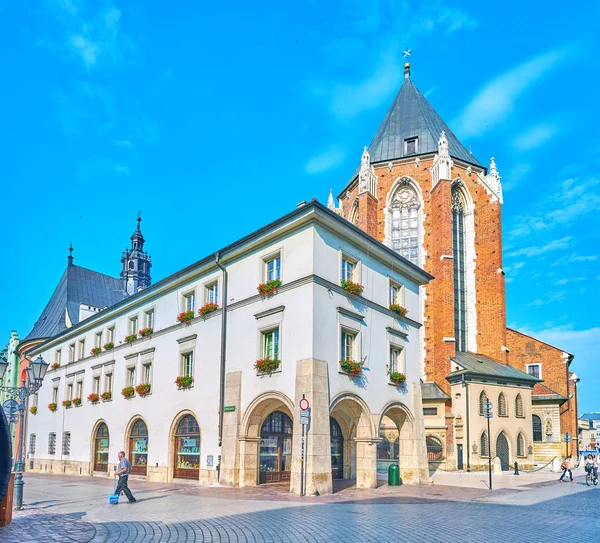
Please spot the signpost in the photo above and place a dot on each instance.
(488, 415)
(304, 421)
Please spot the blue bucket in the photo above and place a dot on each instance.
(113, 498)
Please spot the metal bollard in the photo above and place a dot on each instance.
(516, 468)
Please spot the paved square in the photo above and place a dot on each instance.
(75, 509)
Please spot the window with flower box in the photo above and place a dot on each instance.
(187, 364)
(396, 293)
(72, 352)
(189, 301)
(397, 361)
(130, 377)
(69, 391)
(133, 325)
(349, 272)
(147, 373)
(51, 443)
(110, 334)
(270, 344)
(108, 382)
(98, 340)
(348, 345)
(55, 395)
(96, 385)
(212, 293)
(149, 318)
(58, 356)
(79, 389)
(272, 267)
(81, 349)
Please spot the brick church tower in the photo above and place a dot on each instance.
(419, 191)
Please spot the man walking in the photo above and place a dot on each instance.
(123, 473)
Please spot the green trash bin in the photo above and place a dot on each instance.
(394, 475)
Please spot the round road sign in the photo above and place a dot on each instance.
(304, 404)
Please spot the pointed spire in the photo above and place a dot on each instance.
(137, 240)
(367, 180)
(331, 201)
(70, 257)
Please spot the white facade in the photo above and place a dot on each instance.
(309, 310)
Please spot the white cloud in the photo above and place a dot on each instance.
(515, 175)
(535, 137)
(536, 250)
(550, 298)
(496, 99)
(331, 158)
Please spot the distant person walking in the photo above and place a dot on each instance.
(123, 472)
(566, 466)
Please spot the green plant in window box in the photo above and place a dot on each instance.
(96, 351)
(143, 389)
(184, 381)
(267, 365)
(208, 308)
(396, 308)
(106, 396)
(93, 398)
(352, 288)
(33, 410)
(76, 402)
(185, 316)
(53, 406)
(351, 367)
(145, 332)
(108, 346)
(397, 378)
(67, 403)
(269, 287)
(128, 392)
(130, 338)
(55, 366)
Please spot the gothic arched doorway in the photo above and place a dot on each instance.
(101, 442)
(337, 449)
(275, 458)
(502, 451)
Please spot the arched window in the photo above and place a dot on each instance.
(482, 401)
(537, 428)
(353, 215)
(502, 412)
(187, 449)
(101, 442)
(484, 444)
(337, 449)
(276, 448)
(520, 412)
(405, 221)
(138, 447)
(435, 450)
(460, 276)
(520, 445)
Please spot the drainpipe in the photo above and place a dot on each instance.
(468, 425)
(223, 358)
(567, 364)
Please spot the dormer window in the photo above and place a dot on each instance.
(411, 146)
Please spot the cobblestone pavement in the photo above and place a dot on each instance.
(75, 509)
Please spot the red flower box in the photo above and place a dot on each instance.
(33, 410)
(402, 311)
(208, 308)
(143, 389)
(351, 367)
(130, 338)
(54, 366)
(53, 406)
(145, 332)
(96, 351)
(267, 365)
(93, 398)
(76, 402)
(108, 346)
(269, 287)
(184, 381)
(185, 316)
(397, 378)
(128, 392)
(67, 403)
(106, 396)
(352, 288)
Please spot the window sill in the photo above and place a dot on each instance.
(520, 416)
(402, 386)
(267, 374)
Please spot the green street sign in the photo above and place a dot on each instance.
(228, 408)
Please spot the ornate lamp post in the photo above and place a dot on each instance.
(14, 407)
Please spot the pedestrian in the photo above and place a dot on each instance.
(123, 472)
(566, 466)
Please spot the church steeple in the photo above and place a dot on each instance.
(136, 263)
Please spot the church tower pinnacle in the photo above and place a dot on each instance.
(136, 263)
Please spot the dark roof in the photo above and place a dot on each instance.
(476, 364)
(590, 416)
(543, 393)
(431, 391)
(76, 286)
(410, 116)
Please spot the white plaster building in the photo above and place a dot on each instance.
(309, 323)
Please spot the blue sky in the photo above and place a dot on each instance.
(215, 120)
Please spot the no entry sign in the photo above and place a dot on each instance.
(304, 405)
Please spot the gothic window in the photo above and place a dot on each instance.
(520, 445)
(519, 406)
(537, 428)
(482, 401)
(405, 222)
(484, 444)
(353, 215)
(502, 405)
(460, 276)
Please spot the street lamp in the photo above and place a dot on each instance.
(14, 407)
